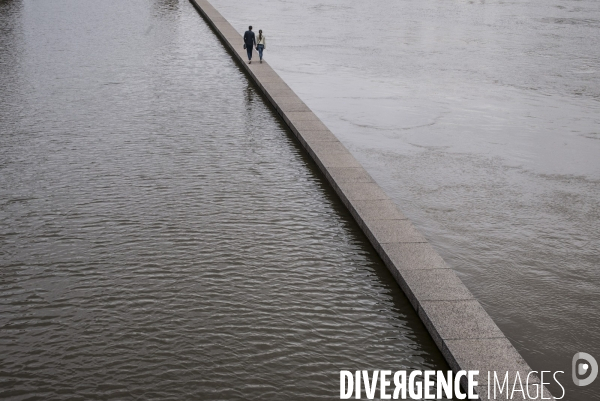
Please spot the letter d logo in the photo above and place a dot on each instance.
(583, 369)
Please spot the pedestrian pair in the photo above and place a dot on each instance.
(252, 42)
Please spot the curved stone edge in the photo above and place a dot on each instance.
(463, 331)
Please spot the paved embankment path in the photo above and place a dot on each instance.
(464, 332)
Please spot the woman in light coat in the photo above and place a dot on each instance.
(261, 44)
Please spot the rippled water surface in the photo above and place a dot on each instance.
(162, 236)
(482, 120)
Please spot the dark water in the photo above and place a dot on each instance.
(162, 237)
(482, 120)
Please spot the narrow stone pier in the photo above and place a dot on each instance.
(466, 335)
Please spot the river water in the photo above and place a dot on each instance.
(162, 235)
(482, 120)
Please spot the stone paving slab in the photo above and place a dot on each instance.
(436, 285)
(486, 354)
(309, 125)
(267, 75)
(262, 70)
(207, 8)
(267, 79)
(280, 92)
(443, 315)
(329, 160)
(328, 146)
(341, 175)
(380, 209)
(394, 231)
(218, 21)
(261, 73)
(232, 36)
(274, 85)
(413, 256)
(284, 104)
(301, 116)
(466, 335)
(307, 137)
(362, 191)
(428, 284)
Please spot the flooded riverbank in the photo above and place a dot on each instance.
(162, 234)
(481, 120)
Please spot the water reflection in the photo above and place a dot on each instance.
(11, 46)
(164, 7)
(250, 100)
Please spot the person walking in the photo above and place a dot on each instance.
(249, 43)
(261, 44)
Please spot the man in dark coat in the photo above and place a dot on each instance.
(249, 43)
